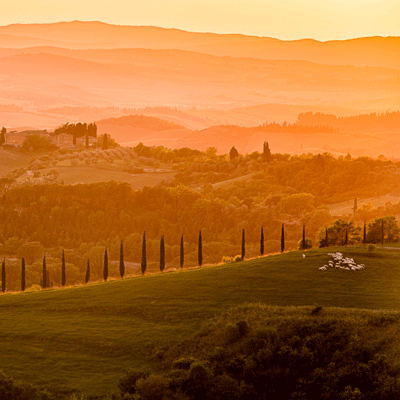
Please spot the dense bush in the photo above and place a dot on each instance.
(296, 361)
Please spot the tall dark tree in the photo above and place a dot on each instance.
(105, 266)
(346, 237)
(243, 244)
(182, 253)
(3, 276)
(200, 250)
(326, 237)
(262, 241)
(266, 152)
(44, 274)
(121, 260)
(365, 233)
(87, 275)
(233, 153)
(144, 256)
(23, 274)
(304, 237)
(105, 142)
(282, 239)
(3, 135)
(162, 254)
(63, 269)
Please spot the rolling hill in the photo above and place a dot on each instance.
(88, 335)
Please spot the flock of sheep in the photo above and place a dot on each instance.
(342, 262)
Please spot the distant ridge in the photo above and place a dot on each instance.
(372, 51)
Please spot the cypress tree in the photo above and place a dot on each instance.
(162, 254)
(326, 237)
(243, 244)
(365, 233)
(44, 277)
(23, 274)
(200, 250)
(87, 276)
(262, 241)
(144, 258)
(346, 238)
(182, 254)
(63, 269)
(105, 269)
(3, 276)
(283, 239)
(121, 260)
(304, 236)
(48, 281)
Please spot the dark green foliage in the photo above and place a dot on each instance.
(127, 384)
(304, 237)
(44, 273)
(37, 143)
(383, 230)
(200, 250)
(181, 253)
(87, 275)
(105, 265)
(143, 263)
(243, 244)
(282, 239)
(298, 360)
(339, 234)
(63, 277)
(3, 276)
(13, 390)
(162, 254)
(23, 283)
(262, 241)
(365, 233)
(121, 260)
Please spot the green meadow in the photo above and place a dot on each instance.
(83, 338)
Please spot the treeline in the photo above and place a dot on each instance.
(298, 128)
(77, 130)
(373, 121)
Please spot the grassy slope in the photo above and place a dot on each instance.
(10, 160)
(85, 337)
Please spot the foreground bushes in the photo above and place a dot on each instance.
(297, 360)
(13, 390)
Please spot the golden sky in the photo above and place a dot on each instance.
(283, 19)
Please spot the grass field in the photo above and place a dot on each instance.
(84, 338)
(88, 174)
(11, 160)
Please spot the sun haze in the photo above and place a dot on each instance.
(283, 19)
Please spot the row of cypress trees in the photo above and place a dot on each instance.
(45, 281)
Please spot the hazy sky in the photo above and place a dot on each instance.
(283, 19)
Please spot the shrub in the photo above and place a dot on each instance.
(227, 259)
(308, 245)
(371, 248)
(237, 258)
(152, 388)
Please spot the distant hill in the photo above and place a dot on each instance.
(373, 51)
(141, 121)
